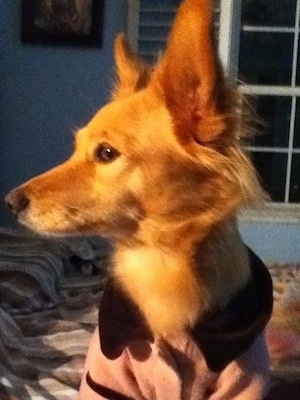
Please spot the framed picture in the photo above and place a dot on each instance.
(63, 22)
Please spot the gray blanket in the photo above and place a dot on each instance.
(47, 314)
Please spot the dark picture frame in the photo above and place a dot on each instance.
(63, 22)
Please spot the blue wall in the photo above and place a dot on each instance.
(275, 242)
(45, 93)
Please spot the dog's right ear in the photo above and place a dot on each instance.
(189, 79)
(132, 74)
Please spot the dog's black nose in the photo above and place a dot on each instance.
(17, 201)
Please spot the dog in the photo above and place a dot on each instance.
(161, 172)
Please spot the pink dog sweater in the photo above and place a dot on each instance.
(224, 357)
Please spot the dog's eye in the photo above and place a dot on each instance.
(105, 153)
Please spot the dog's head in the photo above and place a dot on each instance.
(165, 150)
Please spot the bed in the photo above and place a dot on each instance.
(49, 296)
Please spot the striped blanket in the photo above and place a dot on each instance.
(48, 311)
(47, 315)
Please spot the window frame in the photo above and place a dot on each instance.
(133, 22)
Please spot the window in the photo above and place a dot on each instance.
(149, 25)
(259, 44)
(155, 20)
(269, 67)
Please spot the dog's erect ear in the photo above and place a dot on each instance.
(189, 78)
(132, 74)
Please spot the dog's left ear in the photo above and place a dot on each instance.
(132, 74)
(189, 78)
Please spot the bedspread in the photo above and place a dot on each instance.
(283, 333)
(47, 316)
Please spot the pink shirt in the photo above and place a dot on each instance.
(224, 357)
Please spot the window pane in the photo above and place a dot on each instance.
(297, 126)
(269, 12)
(156, 18)
(295, 180)
(153, 29)
(273, 126)
(272, 170)
(158, 4)
(266, 58)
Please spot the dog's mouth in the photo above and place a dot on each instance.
(56, 224)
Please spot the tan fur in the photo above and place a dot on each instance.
(169, 200)
(158, 282)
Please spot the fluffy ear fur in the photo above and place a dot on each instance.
(189, 78)
(132, 74)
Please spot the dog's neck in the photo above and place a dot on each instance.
(174, 281)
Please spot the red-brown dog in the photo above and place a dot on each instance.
(160, 171)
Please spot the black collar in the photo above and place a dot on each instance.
(222, 335)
